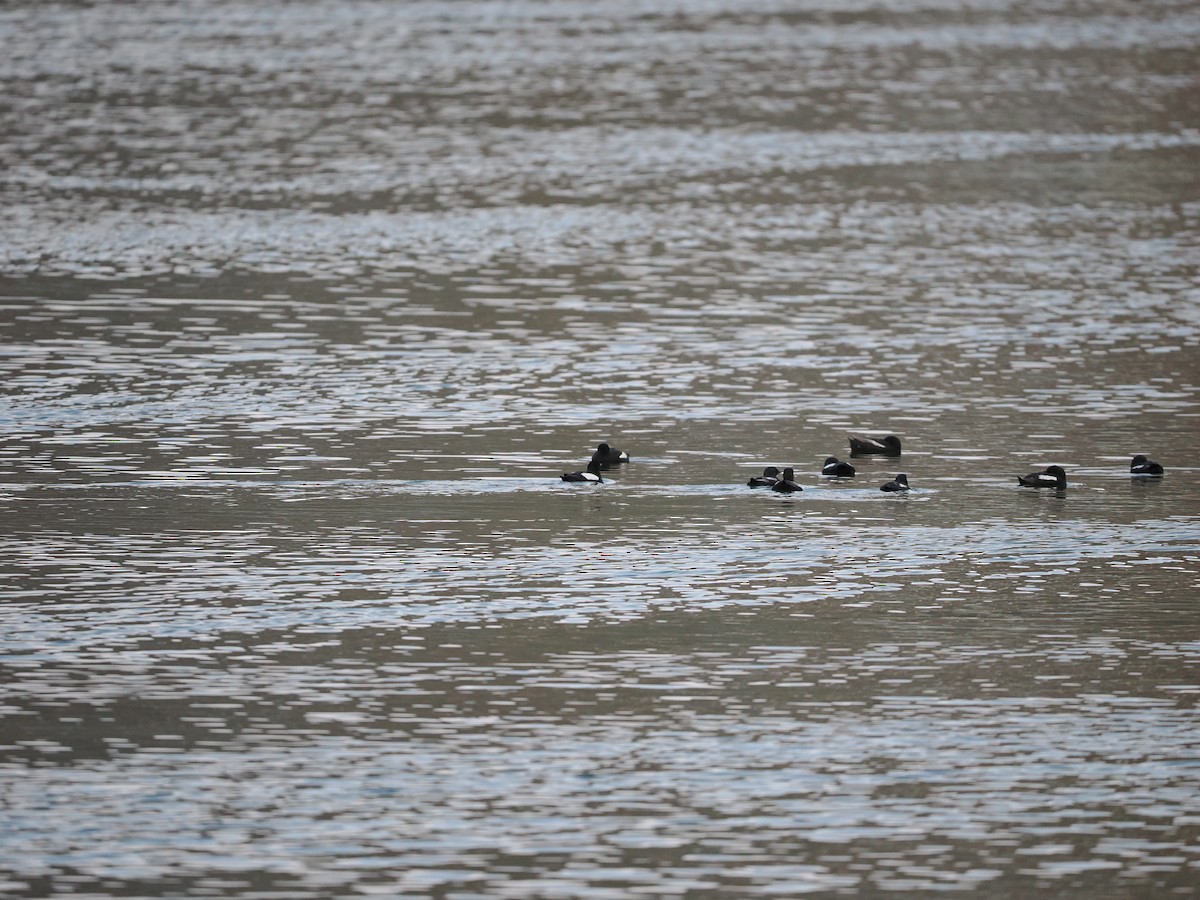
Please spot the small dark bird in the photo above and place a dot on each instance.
(1145, 468)
(592, 475)
(1052, 477)
(768, 478)
(861, 445)
(834, 466)
(609, 456)
(787, 482)
(899, 483)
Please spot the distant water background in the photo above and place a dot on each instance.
(305, 306)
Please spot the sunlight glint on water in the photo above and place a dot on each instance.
(304, 308)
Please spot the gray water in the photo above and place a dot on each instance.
(304, 307)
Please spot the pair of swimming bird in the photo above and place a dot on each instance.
(833, 467)
(1055, 477)
(602, 460)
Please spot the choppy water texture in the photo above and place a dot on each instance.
(305, 306)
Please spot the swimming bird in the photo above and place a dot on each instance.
(769, 476)
(861, 445)
(592, 475)
(899, 483)
(787, 482)
(609, 456)
(1052, 477)
(1146, 468)
(834, 466)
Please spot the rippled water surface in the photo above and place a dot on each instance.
(304, 307)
